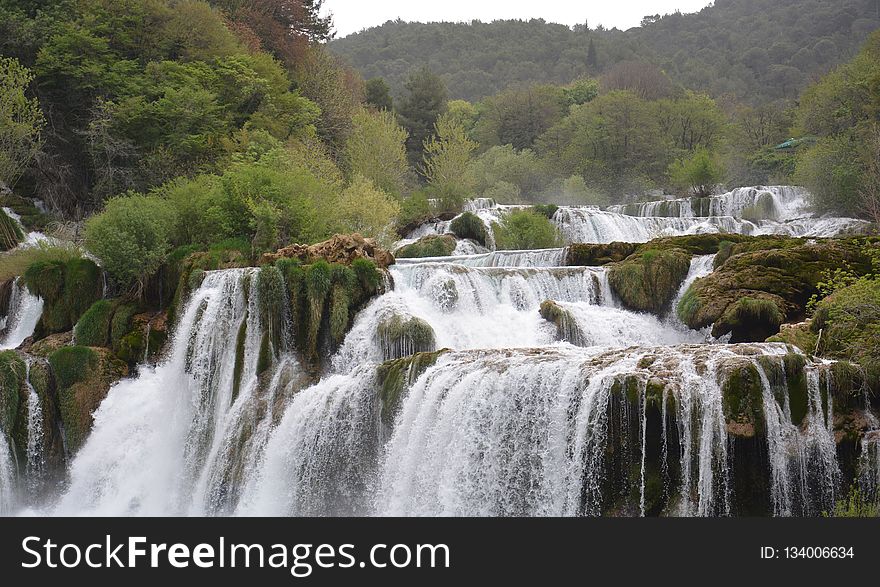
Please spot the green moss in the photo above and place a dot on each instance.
(121, 323)
(799, 335)
(395, 376)
(567, 328)
(72, 364)
(688, 306)
(434, 245)
(750, 319)
(648, 280)
(849, 320)
(369, 277)
(68, 289)
(238, 367)
(93, 327)
(266, 356)
(12, 374)
(317, 288)
(339, 313)
(83, 376)
(399, 337)
(32, 218)
(796, 381)
(469, 225)
(546, 210)
(742, 400)
(594, 255)
(10, 232)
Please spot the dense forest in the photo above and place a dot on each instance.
(753, 50)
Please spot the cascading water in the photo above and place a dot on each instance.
(7, 477)
(35, 453)
(181, 437)
(605, 412)
(24, 312)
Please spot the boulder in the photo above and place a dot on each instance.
(648, 280)
(434, 245)
(341, 248)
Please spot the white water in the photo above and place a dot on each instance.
(759, 210)
(7, 478)
(177, 439)
(35, 452)
(25, 310)
(513, 421)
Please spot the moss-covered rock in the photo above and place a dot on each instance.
(751, 318)
(800, 335)
(83, 376)
(780, 271)
(469, 225)
(648, 280)
(401, 336)
(594, 255)
(147, 335)
(46, 346)
(32, 218)
(93, 327)
(12, 377)
(434, 245)
(395, 376)
(742, 399)
(567, 328)
(849, 323)
(68, 289)
(10, 232)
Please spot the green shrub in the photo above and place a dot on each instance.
(546, 210)
(699, 173)
(524, 229)
(434, 245)
(132, 237)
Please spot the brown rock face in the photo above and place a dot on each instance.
(340, 248)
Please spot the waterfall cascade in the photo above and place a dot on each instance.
(756, 210)
(534, 392)
(24, 311)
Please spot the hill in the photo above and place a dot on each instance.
(753, 50)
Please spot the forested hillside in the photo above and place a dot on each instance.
(754, 50)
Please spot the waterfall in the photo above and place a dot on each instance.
(320, 458)
(869, 466)
(180, 437)
(591, 225)
(527, 433)
(24, 312)
(35, 451)
(7, 477)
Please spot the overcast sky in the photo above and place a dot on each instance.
(353, 15)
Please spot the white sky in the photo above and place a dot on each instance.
(353, 15)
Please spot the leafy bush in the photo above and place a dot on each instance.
(698, 173)
(524, 229)
(132, 237)
(20, 121)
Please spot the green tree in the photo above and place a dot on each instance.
(363, 208)
(376, 150)
(20, 121)
(446, 161)
(378, 94)
(421, 107)
(699, 173)
(132, 237)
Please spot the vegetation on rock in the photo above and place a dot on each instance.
(648, 280)
(434, 245)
